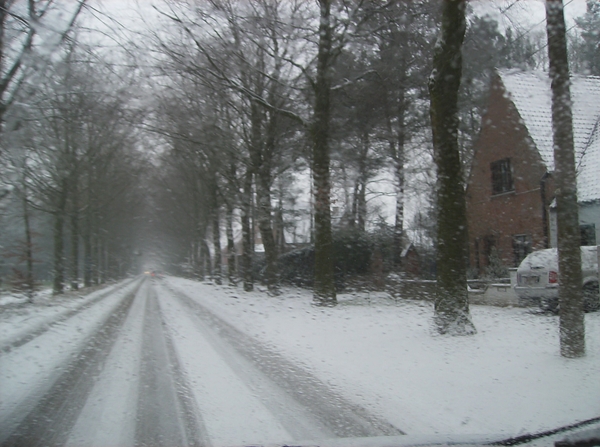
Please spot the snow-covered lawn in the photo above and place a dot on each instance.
(508, 379)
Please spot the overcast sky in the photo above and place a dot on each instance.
(526, 13)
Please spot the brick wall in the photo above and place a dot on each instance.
(502, 220)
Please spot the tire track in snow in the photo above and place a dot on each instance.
(7, 346)
(51, 420)
(342, 418)
(166, 414)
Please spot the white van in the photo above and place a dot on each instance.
(537, 278)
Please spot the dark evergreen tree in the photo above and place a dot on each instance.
(589, 47)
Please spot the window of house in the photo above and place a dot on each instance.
(588, 234)
(502, 179)
(521, 247)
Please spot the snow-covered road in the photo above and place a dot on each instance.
(177, 362)
(149, 365)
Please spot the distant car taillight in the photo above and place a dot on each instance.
(552, 277)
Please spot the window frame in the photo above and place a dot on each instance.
(502, 176)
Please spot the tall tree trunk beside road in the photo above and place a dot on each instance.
(75, 232)
(216, 234)
(264, 218)
(59, 250)
(231, 273)
(247, 235)
(261, 158)
(87, 251)
(451, 302)
(29, 279)
(397, 151)
(324, 287)
(570, 295)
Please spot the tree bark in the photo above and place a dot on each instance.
(398, 156)
(359, 206)
(75, 234)
(216, 230)
(207, 262)
(59, 255)
(29, 279)
(570, 294)
(324, 286)
(451, 303)
(263, 198)
(97, 259)
(261, 159)
(247, 236)
(87, 250)
(231, 273)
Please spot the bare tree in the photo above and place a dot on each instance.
(18, 28)
(82, 138)
(452, 301)
(246, 61)
(570, 295)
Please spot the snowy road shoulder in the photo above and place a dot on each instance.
(18, 325)
(29, 372)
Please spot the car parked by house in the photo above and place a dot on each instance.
(538, 278)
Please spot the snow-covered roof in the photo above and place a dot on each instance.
(531, 94)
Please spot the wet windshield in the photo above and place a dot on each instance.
(291, 222)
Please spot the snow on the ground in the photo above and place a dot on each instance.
(19, 318)
(507, 379)
(114, 396)
(220, 395)
(28, 372)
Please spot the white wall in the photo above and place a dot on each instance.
(588, 214)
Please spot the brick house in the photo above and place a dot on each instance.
(510, 189)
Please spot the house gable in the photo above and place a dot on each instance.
(513, 215)
(531, 93)
(510, 186)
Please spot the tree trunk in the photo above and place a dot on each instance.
(570, 294)
(263, 198)
(324, 286)
(359, 206)
(75, 237)
(87, 232)
(452, 302)
(247, 235)
(231, 273)
(29, 280)
(206, 261)
(98, 259)
(279, 229)
(216, 230)
(398, 156)
(59, 255)
(87, 251)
